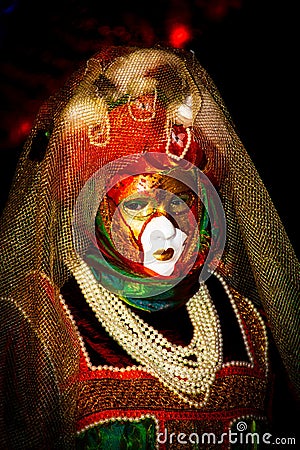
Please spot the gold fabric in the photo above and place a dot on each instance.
(108, 109)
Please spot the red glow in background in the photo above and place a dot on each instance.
(179, 35)
(43, 42)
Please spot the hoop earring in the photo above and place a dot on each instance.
(147, 119)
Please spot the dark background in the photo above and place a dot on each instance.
(248, 48)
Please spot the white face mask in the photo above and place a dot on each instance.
(162, 245)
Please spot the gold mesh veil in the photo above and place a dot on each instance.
(93, 120)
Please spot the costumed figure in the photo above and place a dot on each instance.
(149, 292)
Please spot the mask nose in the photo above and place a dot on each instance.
(162, 245)
(159, 230)
(165, 229)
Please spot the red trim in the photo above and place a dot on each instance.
(164, 416)
(88, 374)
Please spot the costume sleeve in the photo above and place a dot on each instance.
(29, 399)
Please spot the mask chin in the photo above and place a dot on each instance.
(162, 245)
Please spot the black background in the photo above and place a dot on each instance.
(248, 48)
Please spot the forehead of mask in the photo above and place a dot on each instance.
(145, 183)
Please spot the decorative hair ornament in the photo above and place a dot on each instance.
(184, 114)
(176, 139)
(99, 133)
(179, 131)
(144, 107)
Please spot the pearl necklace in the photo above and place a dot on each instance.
(187, 371)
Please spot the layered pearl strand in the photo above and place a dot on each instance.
(187, 371)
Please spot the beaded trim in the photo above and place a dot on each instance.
(245, 339)
(121, 419)
(248, 416)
